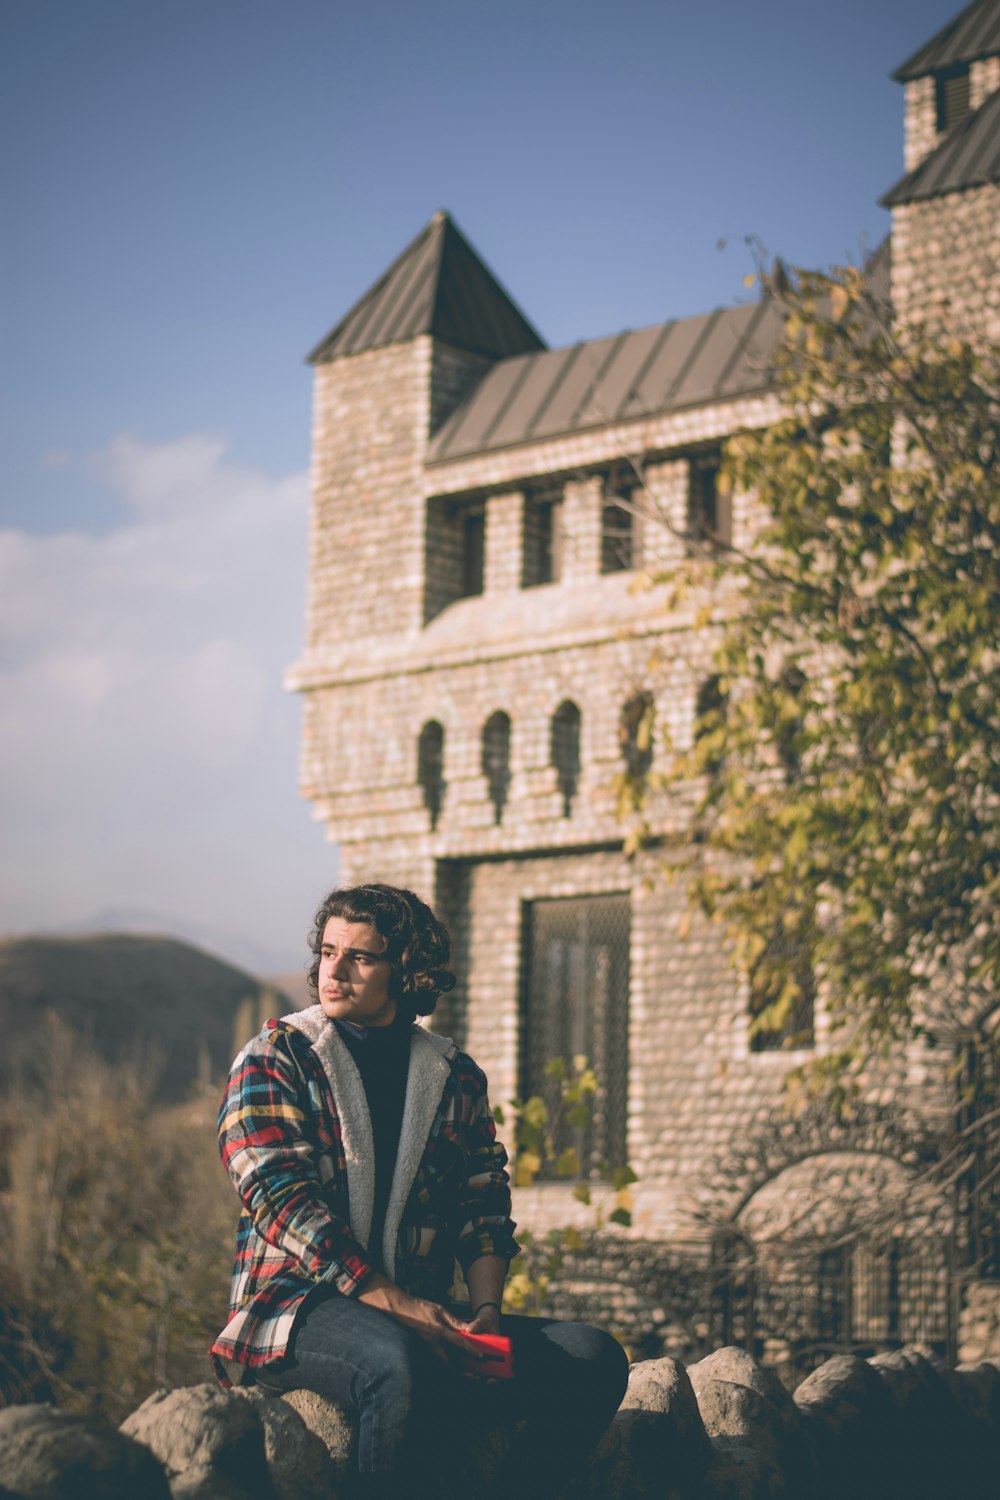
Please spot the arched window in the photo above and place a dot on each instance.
(710, 721)
(430, 768)
(496, 760)
(565, 750)
(635, 734)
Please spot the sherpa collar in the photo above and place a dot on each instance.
(429, 1069)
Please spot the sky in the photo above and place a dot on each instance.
(194, 193)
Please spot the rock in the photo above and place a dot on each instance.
(211, 1443)
(755, 1428)
(656, 1444)
(846, 1412)
(975, 1391)
(297, 1460)
(927, 1434)
(332, 1424)
(47, 1454)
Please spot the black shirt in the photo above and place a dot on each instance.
(382, 1056)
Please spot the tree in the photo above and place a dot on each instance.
(845, 774)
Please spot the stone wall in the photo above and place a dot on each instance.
(896, 1427)
(946, 262)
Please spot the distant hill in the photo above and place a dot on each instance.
(132, 995)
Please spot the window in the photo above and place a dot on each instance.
(951, 96)
(781, 982)
(635, 734)
(621, 547)
(473, 550)
(566, 751)
(430, 768)
(710, 720)
(710, 513)
(542, 559)
(496, 760)
(789, 722)
(575, 1002)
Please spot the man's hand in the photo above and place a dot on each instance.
(487, 1320)
(427, 1319)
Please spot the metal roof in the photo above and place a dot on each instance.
(713, 357)
(438, 285)
(968, 157)
(974, 33)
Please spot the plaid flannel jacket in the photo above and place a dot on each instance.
(295, 1137)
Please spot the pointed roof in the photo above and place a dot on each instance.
(438, 286)
(972, 34)
(968, 157)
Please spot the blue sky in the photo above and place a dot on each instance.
(194, 194)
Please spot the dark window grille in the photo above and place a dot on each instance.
(620, 537)
(566, 751)
(473, 551)
(496, 760)
(430, 768)
(710, 513)
(952, 96)
(575, 1003)
(542, 559)
(635, 734)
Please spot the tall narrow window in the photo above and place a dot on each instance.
(789, 721)
(710, 722)
(621, 538)
(710, 512)
(430, 768)
(575, 1003)
(566, 751)
(952, 98)
(542, 560)
(635, 734)
(496, 760)
(473, 550)
(782, 994)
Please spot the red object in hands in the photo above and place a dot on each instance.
(490, 1356)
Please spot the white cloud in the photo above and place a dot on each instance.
(141, 681)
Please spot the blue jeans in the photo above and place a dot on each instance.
(568, 1382)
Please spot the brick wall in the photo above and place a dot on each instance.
(946, 262)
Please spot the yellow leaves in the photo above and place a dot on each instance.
(526, 1168)
(840, 301)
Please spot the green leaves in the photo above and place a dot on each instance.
(850, 826)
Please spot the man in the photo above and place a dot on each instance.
(364, 1153)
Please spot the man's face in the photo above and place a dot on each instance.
(353, 977)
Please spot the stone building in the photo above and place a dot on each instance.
(480, 665)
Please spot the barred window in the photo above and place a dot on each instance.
(621, 534)
(430, 768)
(575, 1002)
(542, 558)
(566, 751)
(496, 760)
(710, 513)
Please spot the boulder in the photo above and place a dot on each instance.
(47, 1454)
(926, 1430)
(656, 1445)
(209, 1441)
(975, 1390)
(755, 1428)
(846, 1412)
(297, 1459)
(332, 1424)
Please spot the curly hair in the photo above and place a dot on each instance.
(417, 944)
